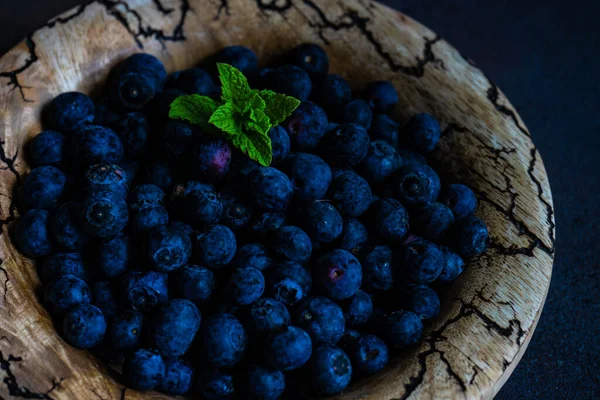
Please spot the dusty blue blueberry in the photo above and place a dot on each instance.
(42, 188)
(338, 274)
(357, 309)
(236, 215)
(202, 207)
(176, 140)
(179, 377)
(68, 111)
(209, 158)
(469, 236)
(453, 266)
(59, 264)
(264, 383)
(96, 144)
(288, 282)
(288, 349)
(378, 269)
(332, 93)
(358, 112)
(384, 128)
(431, 220)
(215, 247)
(173, 327)
(65, 292)
(104, 114)
(310, 57)
(267, 222)
(167, 249)
(289, 80)
(266, 315)
(158, 173)
(310, 176)
(422, 300)
(195, 283)
(323, 222)
(222, 340)
(125, 330)
(354, 236)
(369, 355)
(67, 231)
(381, 161)
(346, 145)
(280, 142)
(246, 285)
(349, 339)
(181, 226)
(32, 233)
(389, 221)
(104, 214)
(421, 261)
(112, 256)
(135, 82)
(144, 196)
(400, 329)
(46, 149)
(131, 168)
(144, 369)
(291, 243)
(105, 298)
(306, 126)
(350, 193)
(422, 133)
(331, 369)
(134, 130)
(321, 318)
(381, 96)
(460, 199)
(240, 57)
(109, 177)
(252, 255)
(240, 167)
(269, 189)
(84, 326)
(148, 218)
(197, 81)
(216, 384)
(411, 157)
(144, 290)
(413, 184)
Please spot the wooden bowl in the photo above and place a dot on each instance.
(487, 317)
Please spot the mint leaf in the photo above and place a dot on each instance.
(258, 122)
(228, 119)
(255, 102)
(256, 146)
(234, 85)
(279, 106)
(193, 108)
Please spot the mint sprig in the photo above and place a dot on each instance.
(244, 115)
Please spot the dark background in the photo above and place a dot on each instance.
(545, 58)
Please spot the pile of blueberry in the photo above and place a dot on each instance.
(191, 268)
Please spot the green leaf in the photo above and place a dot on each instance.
(256, 146)
(255, 102)
(234, 85)
(258, 122)
(279, 106)
(193, 108)
(228, 119)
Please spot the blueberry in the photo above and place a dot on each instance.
(291, 243)
(401, 328)
(148, 218)
(357, 309)
(411, 157)
(332, 93)
(306, 126)
(321, 318)
(195, 283)
(134, 131)
(252, 255)
(60, 264)
(222, 340)
(354, 236)
(469, 236)
(131, 168)
(46, 149)
(216, 384)
(135, 81)
(269, 189)
(67, 231)
(239, 169)
(145, 196)
(453, 266)
(357, 112)
(202, 207)
(167, 250)
(266, 315)
(264, 383)
(176, 140)
(181, 226)
(349, 339)
(103, 297)
(422, 133)
(389, 220)
(421, 261)
(378, 269)
(174, 327)
(68, 111)
(42, 188)
(158, 173)
(289, 80)
(107, 177)
(281, 144)
(381, 161)
(288, 282)
(267, 222)
(384, 128)
(104, 214)
(197, 81)
(350, 193)
(215, 247)
(346, 145)
(144, 290)
(288, 349)
(338, 274)
(460, 199)
(112, 256)
(246, 285)
(381, 96)
(331, 369)
(236, 215)
(32, 234)
(209, 158)
(414, 183)
(84, 326)
(431, 220)
(310, 176)
(369, 355)
(95, 144)
(323, 222)
(422, 300)
(125, 330)
(65, 292)
(179, 377)
(104, 114)
(239, 57)
(311, 58)
(144, 369)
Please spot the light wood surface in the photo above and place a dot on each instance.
(488, 316)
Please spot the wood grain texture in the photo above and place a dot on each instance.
(488, 316)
